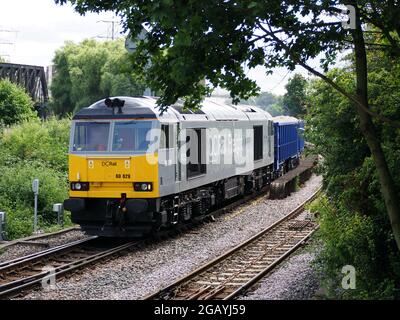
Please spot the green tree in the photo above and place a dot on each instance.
(188, 41)
(117, 78)
(294, 100)
(61, 85)
(90, 71)
(354, 223)
(15, 104)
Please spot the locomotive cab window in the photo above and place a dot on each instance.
(258, 142)
(196, 152)
(131, 136)
(91, 136)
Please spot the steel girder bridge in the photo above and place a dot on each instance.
(32, 78)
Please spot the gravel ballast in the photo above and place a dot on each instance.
(22, 249)
(146, 270)
(295, 279)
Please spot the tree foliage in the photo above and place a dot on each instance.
(90, 71)
(191, 40)
(361, 241)
(187, 41)
(294, 100)
(15, 104)
(354, 223)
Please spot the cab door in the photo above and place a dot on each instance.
(168, 158)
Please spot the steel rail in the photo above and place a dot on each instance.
(18, 285)
(27, 240)
(24, 283)
(166, 291)
(42, 253)
(263, 273)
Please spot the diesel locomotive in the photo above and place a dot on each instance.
(134, 169)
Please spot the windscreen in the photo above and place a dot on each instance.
(131, 136)
(91, 136)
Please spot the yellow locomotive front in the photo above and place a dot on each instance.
(113, 168)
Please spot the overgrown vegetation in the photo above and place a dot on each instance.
(29, 150)
(15, 104)
(355, 227)
(295, 99)
(361, 241)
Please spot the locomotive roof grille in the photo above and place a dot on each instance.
(105, 109)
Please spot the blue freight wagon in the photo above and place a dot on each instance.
(288, 142)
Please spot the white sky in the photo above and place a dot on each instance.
(42, 27)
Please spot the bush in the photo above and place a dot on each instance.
(29, 150)
(35, 140)
(19, 220)
(353, 239)
(17, 196)
(15, 104)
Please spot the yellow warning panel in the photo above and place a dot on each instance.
(109, 176)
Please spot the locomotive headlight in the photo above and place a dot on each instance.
(80, 186)
(143, 186)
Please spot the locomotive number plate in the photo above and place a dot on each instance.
(122, 176)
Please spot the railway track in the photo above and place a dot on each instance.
(26, 272)
(237, 270)
(37, 239)
(23, 273)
